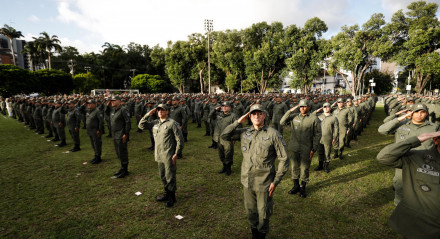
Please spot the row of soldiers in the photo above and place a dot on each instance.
(49, 113)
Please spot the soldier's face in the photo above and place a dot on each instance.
(349, 103)
(419, 116)
(116, 103)
(226, 109)
(340, 104)
(71, 106)
(257, 118)
(303, 109)
(326, 109)
(162, 113)
(91, 106)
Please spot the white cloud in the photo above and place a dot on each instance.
(33, 18)
(392, 6)
(155, 22)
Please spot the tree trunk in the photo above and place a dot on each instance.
(50, 65)
(201, 81)
(13, 52)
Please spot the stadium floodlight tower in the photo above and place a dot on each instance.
(208, 29)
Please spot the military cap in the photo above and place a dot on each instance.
(410, 99)
(175, 98)
(257, 107)
(303, 102)
(340, 100)
(58, 102)
(326, 104)
(51, 101)
(72, 102)
(226, 103)
(417, 107)
(162, 106)
(91, 102)
(123, 100)
(116, 98)
(348, 100)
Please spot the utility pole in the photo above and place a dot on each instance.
(208, 29)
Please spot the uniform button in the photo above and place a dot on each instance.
(425, 188)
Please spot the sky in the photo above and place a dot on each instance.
(88, 24)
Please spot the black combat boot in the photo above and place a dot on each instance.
(76, 148)
(62, 144)
(151, 148)
(340, 153)
(255, 233)
(336, 155)
(124, 171)
(164, 197)
(97, 160)
(213, 145)
(223, 170)
(118, 172)
(326, 168)
(171, 199)
(55, 139)
(295, 188)
(185, 137)
(320, 166)
(228, 169)
(262, 235)
(302, 192)
(49, 136)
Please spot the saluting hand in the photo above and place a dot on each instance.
(426, 136)
(405, 115)
(174, 158)
(243, 118)
(294, 108)
(153, 111)
(271, 189)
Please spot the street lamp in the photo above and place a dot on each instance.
(208, 29)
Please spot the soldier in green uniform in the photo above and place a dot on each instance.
(279, 108)
(138, 112)
(59, 122)
(95, 127)
(212, 117)
(304, 142)
(352, 124)
(344, 119)
(329, 138)
(407, 128)
(169, 143)
(225, 147)
(417, 216)
(73, 121)
(121, 125)
(260, 146)
(38, 117)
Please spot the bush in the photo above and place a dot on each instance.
(15, 80)
(53, 81)
(85, 82)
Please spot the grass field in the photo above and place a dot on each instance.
(50, 194)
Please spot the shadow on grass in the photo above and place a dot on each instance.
(363, 172)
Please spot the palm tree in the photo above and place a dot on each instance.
(11, 33)
(31, 49)
(47, 43)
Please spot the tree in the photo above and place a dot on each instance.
(383, 82)
(85, 82)
(67, 60)
(198, 53)
(15, 80)
(227, 54)
(112, 62)
(47, 43)
(306, 52)
(33, 53)
(355, 49)
(11, 33)
(414, 36)
(263, 55)
(150, 83)
(178, 63)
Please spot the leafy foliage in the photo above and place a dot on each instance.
(150, 83)
(85, 82)
(52, 82)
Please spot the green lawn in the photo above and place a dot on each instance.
(49, 194)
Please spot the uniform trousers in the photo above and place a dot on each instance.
(259, 208)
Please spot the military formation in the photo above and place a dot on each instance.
(322, 124)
